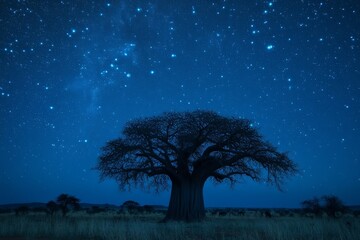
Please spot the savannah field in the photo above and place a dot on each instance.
(110, 224)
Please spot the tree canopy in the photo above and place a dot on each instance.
(65, 200)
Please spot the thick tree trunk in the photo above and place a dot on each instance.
(186, 201)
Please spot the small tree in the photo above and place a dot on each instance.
(52, 207)
(187, 149)
(329, 204)
(332, 205)
(312, 206)
(65, 200)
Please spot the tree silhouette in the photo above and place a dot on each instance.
(329, 204)
(186, 149)
(131, 206)
(333, 205)
(51, 207)
(312, 206)
(65, 200)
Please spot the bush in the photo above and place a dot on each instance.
(131, 206)
(329, 205)
(312, 206)
(333, 206)
(22, 210)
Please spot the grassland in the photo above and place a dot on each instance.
(111, 225)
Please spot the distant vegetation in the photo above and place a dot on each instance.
(330, 205)
(64, 201)
(116, 223)
(131, 221)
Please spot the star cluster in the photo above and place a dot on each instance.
(73, 72)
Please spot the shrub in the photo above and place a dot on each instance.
(22, 210)
(131, 206)
(312, 206)
(327, 205)
(333, 206)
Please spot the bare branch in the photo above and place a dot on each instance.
(199, 144)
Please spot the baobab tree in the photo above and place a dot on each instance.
(185, 150)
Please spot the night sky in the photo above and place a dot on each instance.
(72, 73)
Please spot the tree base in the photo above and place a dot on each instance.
(192, 220)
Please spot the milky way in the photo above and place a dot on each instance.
(73, 72)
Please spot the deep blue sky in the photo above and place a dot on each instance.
(73, 72)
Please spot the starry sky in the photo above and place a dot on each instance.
(72, 73)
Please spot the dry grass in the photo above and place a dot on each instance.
(128, 227)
